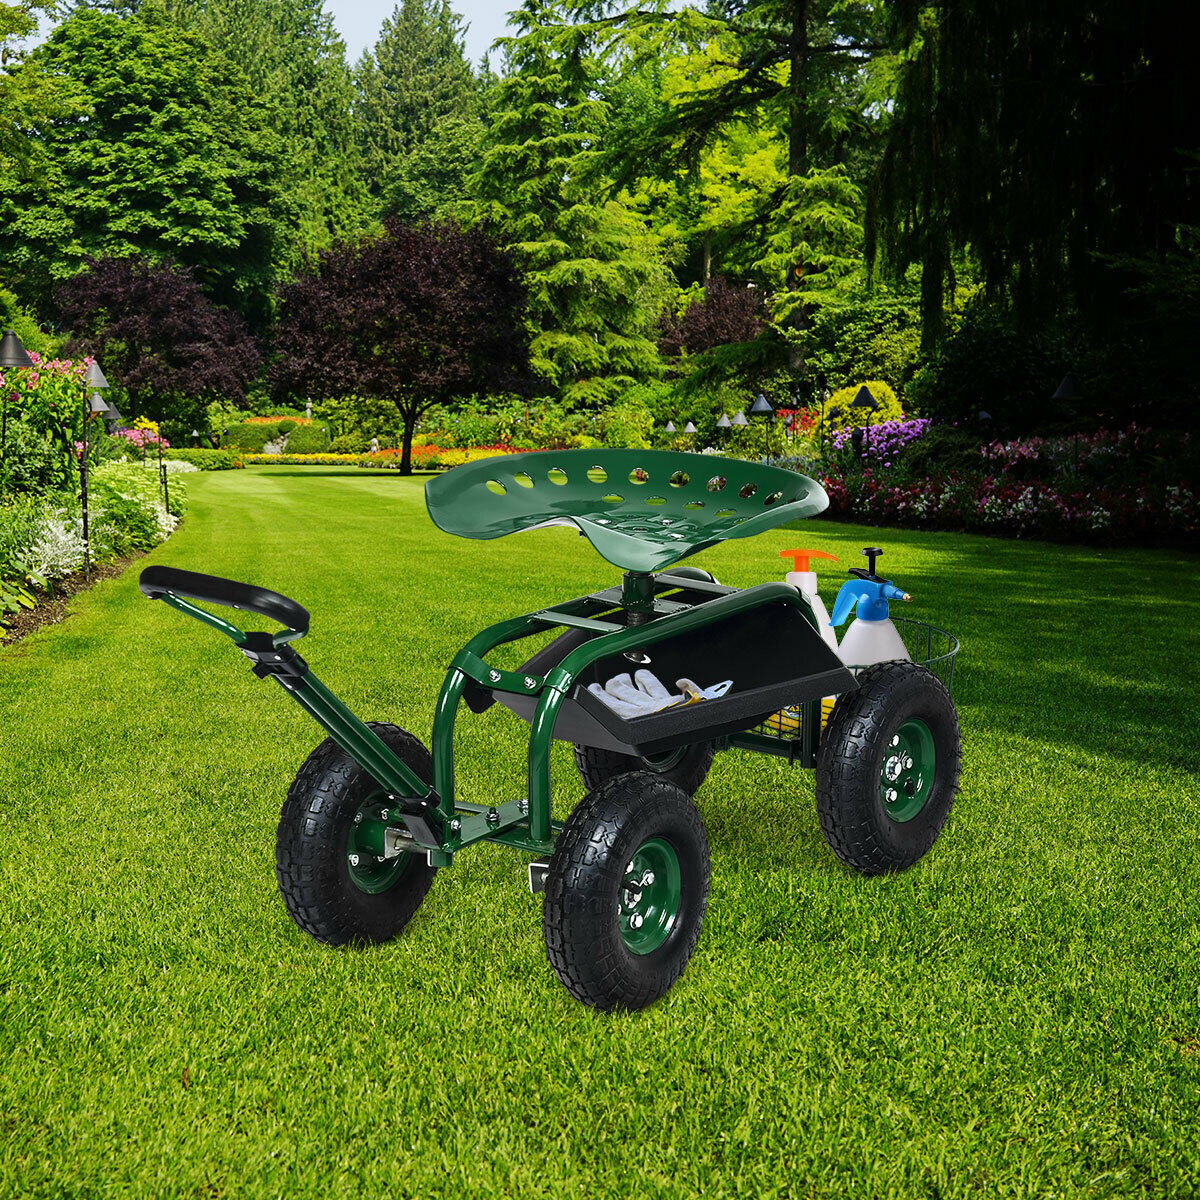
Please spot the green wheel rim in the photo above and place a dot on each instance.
(369, 871)
(651, 895)
(906, 779)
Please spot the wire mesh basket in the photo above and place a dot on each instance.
(926, 644)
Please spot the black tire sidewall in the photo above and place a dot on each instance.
(312, 843)
(597, 767)
(584, 885)
(850, 802)
(910, 840)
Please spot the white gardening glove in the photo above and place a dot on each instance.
(621, 707)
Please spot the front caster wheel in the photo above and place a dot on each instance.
(329, 861)
(888, 769)
(626, 892)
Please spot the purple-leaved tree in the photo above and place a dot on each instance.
(159, 337)
(422, 315)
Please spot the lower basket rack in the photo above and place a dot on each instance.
(926, 644)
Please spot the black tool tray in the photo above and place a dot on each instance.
(772, 654)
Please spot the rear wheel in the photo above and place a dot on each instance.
(330, 861)
(685, 766)
(626, 892)
(888, 769)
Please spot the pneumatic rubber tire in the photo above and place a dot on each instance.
(686, 767)
(587, 903)
(858, 819)
(311, 859)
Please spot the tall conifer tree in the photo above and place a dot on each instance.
(296, 64)
(411, 86)
(596, 282)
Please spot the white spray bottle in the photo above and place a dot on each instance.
(806, 580)
(872, 638)
(802, 577)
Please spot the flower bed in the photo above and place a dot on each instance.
(424, 458)
(996, 504)
(41, 536)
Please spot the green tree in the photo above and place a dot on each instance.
(21, 92)
(295, 62)
(167, 159)
(805, 69)
(1049, 141)
(434, 179)
(596, 281)
(415, 80)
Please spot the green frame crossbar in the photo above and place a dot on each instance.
(439, 824)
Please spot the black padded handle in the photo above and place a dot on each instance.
(212, 589)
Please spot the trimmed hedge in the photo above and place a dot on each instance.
(307, 439)
(207, 460)
(251, 436)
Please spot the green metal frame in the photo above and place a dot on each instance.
(524, 823)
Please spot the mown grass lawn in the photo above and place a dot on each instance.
(1018, 1015)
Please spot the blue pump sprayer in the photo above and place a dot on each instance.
(872, 638)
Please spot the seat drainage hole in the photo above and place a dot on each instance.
(639, 475)
(597, 475)
(680, 479)
(716, 483)
(748, 490)
(496, 487)
(557, 475)
(612, 498)
(694, 504)
(726, 512)
(523, 480)
(656, 500)
(773, 498)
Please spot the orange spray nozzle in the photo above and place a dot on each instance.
(800, 557)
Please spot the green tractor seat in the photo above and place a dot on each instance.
(641, 509)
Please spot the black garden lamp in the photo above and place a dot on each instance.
(13, 357)
(865, 400)
(762, 408)
(94, 405)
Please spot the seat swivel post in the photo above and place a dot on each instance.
(637, 596)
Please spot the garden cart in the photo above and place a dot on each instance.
(373, 815)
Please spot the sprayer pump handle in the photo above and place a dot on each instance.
(872, 552)
(800, 557)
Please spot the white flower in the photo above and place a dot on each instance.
(58, 549)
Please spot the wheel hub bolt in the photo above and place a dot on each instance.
(358, 818)
(354, 860)
(635, 920)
